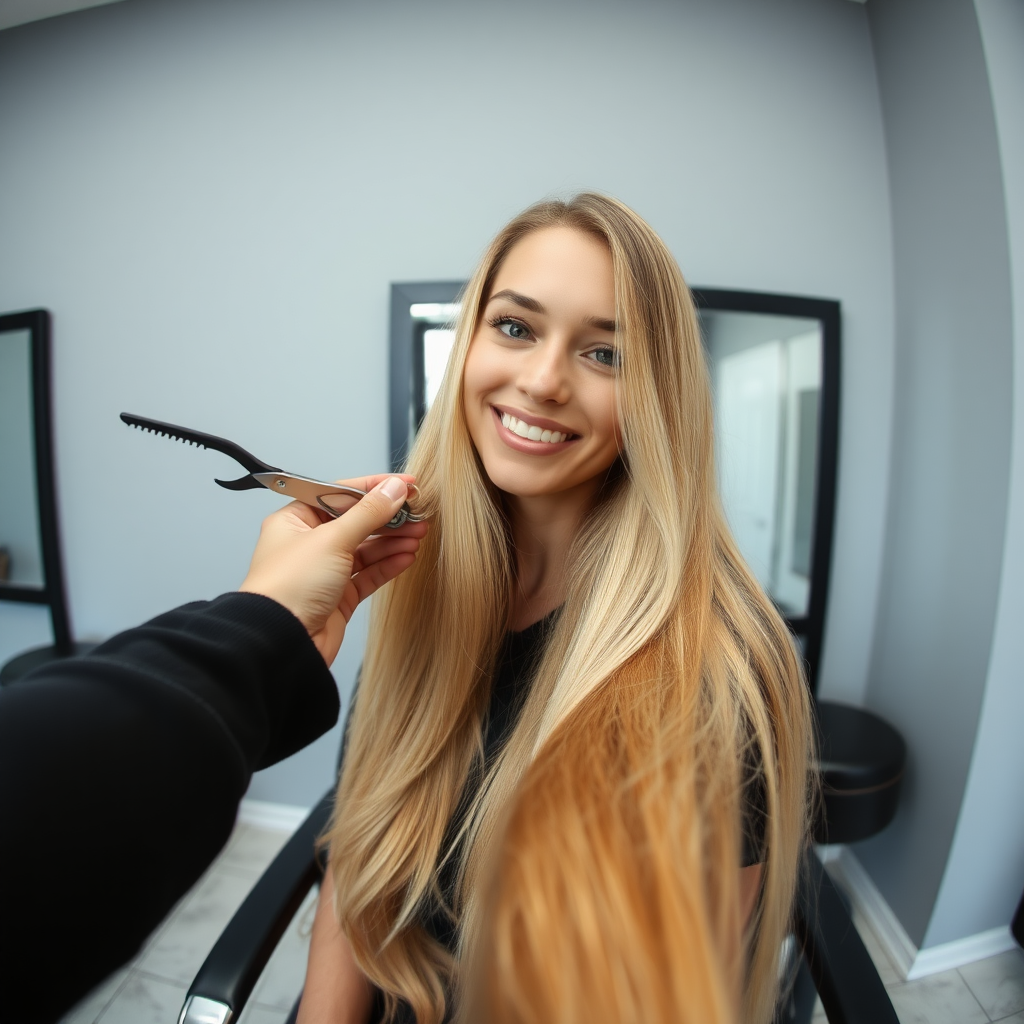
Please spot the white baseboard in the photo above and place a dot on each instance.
(276, 817)
(911, 962)
(962, 951)
(844, 867)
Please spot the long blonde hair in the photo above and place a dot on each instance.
(667, 655)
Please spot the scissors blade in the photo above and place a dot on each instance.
(314, 493)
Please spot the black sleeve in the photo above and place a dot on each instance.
(120, 777)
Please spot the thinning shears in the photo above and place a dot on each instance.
(303, 488)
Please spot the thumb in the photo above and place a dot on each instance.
(370, 514)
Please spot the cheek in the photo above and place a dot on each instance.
(476, 384)
(607, 415)
(483, 373)
(470, 377)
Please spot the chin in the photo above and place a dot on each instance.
(516, 480)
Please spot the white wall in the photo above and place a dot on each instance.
(212, 196)
(984, 877)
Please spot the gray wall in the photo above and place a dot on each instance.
(951, 432)
(213, 196)
(984, 876)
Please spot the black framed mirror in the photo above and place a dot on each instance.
(774, 365)
(31, 569)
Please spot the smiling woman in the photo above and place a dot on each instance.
(542, 361)
(576, 774)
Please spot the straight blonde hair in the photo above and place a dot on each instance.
(668, 681)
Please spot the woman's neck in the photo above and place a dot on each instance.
(543, 529)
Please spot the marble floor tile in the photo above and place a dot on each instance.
(89, 1009)
(282, 980)
(250, 849)
(145, 1000)
(182, 946)
(997, 983)
(887, 970)
(938, 999)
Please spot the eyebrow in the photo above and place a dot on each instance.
(535, 307)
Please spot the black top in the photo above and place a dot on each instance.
(120, 777)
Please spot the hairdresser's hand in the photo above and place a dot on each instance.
(321, 568)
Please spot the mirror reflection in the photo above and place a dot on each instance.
(766, 373)
(21, 558)
(766, 380)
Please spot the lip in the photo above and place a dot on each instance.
(525, 445)
(534, 421)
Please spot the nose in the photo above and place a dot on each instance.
(544, 374)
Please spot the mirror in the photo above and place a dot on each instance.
(30, 562)
(21, 549)
(774, 367)
(766, 381)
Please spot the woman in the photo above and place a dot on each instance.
(579, 715)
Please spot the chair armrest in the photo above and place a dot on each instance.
(844, 975)
(226, 979)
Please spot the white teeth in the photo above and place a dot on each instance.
(531, 433)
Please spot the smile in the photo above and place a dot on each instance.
(523, 429)
(532, 438)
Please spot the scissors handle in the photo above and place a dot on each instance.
(313, 492)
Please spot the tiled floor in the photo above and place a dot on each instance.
(985, 991)
(151, 989)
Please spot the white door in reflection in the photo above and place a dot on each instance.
(791, 583)
(21, 552)
(767, 383)
(437, 346)
(748, 426)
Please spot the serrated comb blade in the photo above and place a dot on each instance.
(211, 441)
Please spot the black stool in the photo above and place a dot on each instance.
(862, 762)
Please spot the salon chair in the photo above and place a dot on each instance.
(834, 964)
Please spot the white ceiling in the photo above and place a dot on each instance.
(18, 12)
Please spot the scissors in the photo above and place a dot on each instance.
(303, 488)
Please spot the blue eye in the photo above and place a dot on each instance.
(607, 357)
(514, 329)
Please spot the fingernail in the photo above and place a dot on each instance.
(394, 487)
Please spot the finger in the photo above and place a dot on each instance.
(308, 515)
(407, 529)
(367, 483)
(378, 548)
(369, 515)
(372, 578)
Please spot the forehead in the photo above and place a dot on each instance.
(563, 268)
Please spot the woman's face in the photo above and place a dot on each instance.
(539, 380)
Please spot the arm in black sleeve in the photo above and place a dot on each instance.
(120, 778)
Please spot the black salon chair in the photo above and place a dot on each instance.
(835, 963)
